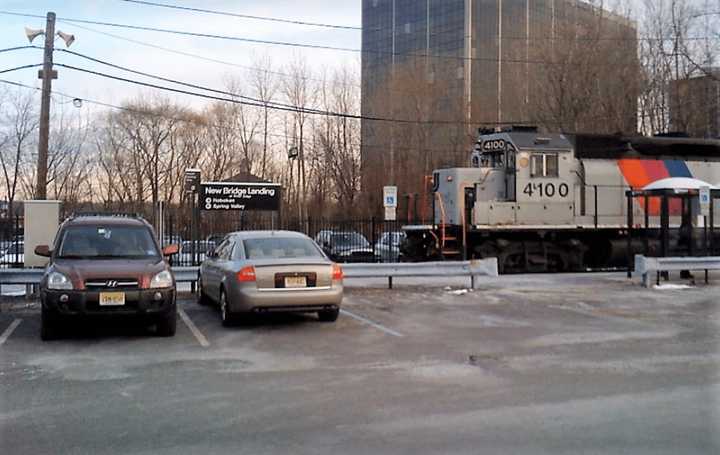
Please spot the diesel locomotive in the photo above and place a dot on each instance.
(551, 202)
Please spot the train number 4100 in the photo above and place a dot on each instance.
(546, 190)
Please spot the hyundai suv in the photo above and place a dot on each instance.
(111, 266)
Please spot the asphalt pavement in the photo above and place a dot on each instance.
(532, 364)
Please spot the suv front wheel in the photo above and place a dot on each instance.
(167, 324)
(48, 326)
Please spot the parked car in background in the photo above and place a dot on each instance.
(387, 247)
(185, 257)
(107, 266)
(13, 255)
(346, 246)
(270, 271)
(215, 238)
(172, 240)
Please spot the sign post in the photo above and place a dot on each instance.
(705, 200)
(192, 186)
(390, 202)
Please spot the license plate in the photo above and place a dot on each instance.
(295, 282)
(112, 298)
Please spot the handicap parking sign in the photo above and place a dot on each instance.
(390, 196)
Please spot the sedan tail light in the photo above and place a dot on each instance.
(337, 272)
(246, 274)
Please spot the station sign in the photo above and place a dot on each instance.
(704, 195)
(192, 180)
(224, 196)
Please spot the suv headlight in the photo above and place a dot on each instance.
(163, 279)
(58, 281)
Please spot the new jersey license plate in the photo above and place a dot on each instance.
(112, 298)
(295, 282)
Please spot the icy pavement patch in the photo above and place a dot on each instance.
(671, 287)
(13, 290)
(597, 337)
(457, 291)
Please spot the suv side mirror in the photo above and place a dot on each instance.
(43, 250)
(169, 250)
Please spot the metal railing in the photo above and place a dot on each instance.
(470, 269)
(645, 267)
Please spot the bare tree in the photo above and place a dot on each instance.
(301, 95)
(246, 121)
(266, 87)
(338, 139)
(19, 121)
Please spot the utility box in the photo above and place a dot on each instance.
(42, 219)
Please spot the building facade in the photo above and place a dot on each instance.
(443, 68)
(695, 104)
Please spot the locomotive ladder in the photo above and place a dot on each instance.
(446, 244)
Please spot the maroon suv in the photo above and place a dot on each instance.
(110, 266)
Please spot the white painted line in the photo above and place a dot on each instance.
(195, 331)
(369, 322)
(11, 328)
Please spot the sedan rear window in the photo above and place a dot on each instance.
(280, 247)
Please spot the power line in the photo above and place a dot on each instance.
(17, 48)
(195, 86)
(241, 16)
(277, 43)
(127, 109)
(196, 56)
(296, 45)
(279, 108)
(230, 127)
(21, 68)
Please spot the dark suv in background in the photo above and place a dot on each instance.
(107, 265)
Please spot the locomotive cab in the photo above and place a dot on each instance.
(527, 180)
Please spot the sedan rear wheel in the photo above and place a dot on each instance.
(203, 298)
(329, 315)
(225, 313)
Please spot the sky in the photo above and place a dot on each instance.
(170, 65)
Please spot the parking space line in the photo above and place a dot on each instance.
(11, 328)
(195, 331)
(371, 323)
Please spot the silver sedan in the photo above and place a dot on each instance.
(270, 271)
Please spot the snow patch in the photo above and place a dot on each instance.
(671, 287)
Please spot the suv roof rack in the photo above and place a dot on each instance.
(106, 214)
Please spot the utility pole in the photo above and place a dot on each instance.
(47, 75)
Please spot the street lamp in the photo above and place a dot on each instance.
(293, 155)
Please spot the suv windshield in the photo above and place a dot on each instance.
(350, 239)
(280, 247)
(133, 242)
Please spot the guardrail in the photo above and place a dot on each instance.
(32, 276)
(645, 266)
(471, 269)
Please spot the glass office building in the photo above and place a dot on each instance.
(443, 68)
